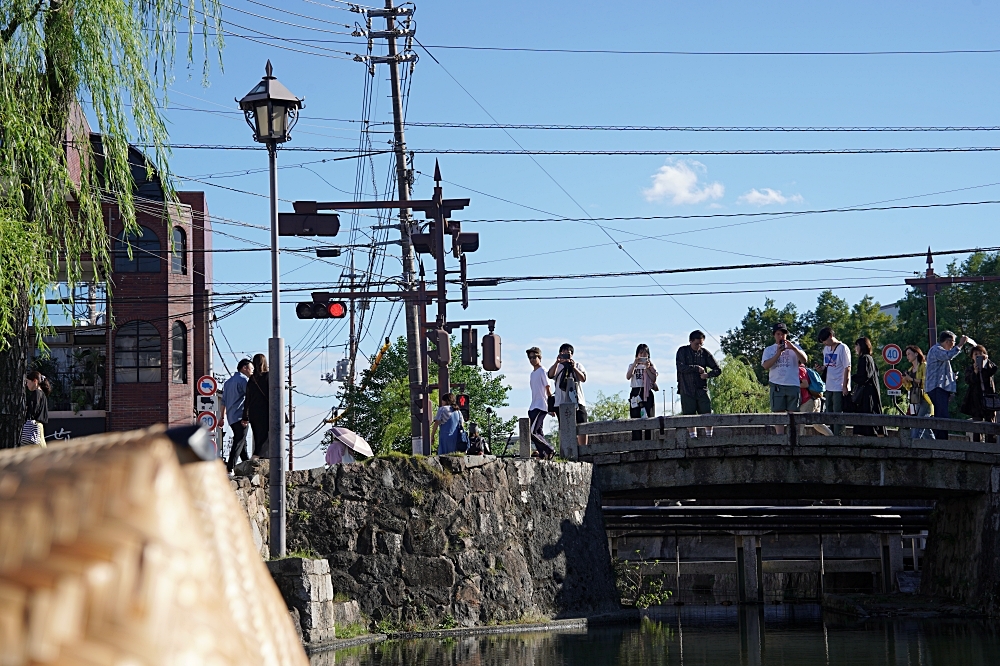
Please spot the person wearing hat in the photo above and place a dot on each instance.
(781, 360)
(941, 378)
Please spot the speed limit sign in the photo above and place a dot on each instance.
(207, 419)
(892, 354)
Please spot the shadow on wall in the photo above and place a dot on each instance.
(586, 580)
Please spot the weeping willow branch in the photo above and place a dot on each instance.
(117, 57)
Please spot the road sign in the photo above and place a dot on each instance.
(892, 354)
(894, 392)
(893, 379)
(207, 385)
(207, 419)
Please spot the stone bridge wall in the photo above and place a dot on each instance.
(422, 542)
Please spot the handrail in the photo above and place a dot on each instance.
(790, 419)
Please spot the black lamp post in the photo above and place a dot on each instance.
(272, 110)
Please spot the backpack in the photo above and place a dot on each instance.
(816, 384)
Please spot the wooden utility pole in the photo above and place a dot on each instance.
(930, 283)
(291, 416)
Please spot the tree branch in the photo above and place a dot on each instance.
(17, 22)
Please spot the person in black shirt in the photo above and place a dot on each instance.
(37, 389)
(256, 405)
(695, 365)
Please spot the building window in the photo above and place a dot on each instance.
(178, 254)
(179, 355)
(145, 252)
(137, 353)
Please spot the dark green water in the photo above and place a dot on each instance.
(708, 636)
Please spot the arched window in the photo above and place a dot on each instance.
(145, 252)
(178, 254)
(137, 353)
(179, 355)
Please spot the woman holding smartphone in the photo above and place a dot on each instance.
(979, 378)
(642, 397)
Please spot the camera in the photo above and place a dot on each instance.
(564, 356)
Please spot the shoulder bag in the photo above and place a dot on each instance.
(462, 443)
(990, 400)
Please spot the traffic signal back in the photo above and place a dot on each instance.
(491, 352)
(441, 354)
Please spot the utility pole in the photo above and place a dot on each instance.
(413, 331)
(291, 415)
(444, 378)
(930, 284)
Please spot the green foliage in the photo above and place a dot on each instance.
(737, 390)
(447, 622)
(608, 407)
(352, 630)
(753, 335)
(638, 589)
(379, 405)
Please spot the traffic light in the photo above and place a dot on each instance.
(334, 309)
(442, 343)
(491, 352)
(470, 350)
(462, 402)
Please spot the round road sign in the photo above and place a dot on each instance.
(207, 385)
(893, 379)
(207, 419)
(892, 354)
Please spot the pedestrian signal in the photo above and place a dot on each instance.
(470, 350)
(441, 354)
(462, 402)
(491, 352)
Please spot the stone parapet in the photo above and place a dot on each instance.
(308, 591)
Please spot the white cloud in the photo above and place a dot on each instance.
(768, 196)
(678, 181)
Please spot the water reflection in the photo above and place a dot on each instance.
(707, 636)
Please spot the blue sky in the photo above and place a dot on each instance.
(609, 89)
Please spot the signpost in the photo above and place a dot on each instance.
(207, 406)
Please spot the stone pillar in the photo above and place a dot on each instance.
(308, 591)
(892, 560)
(752, 591)
(524, 437)
(567, 431)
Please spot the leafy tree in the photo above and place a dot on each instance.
(972, 309)
(737, 390)
(748, 341)
(378, 406)
(117, 56)
(609, 407)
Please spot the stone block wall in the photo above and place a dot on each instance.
(250, 486)
(421, 542)
(306, 587)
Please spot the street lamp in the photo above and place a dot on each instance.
(272, 110)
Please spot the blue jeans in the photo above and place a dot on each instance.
(923, 410)
(940, 398)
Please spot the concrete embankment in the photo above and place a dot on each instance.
(449, 541)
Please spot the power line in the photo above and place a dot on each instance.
(704, 269)
(818, 211)
(618, 153)
(708, 128)
(713, 53)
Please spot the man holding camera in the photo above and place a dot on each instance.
(695, 366)
(569, 377)
(781, 360)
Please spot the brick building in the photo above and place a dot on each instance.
(140, 370)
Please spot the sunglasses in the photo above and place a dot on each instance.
(534, 356)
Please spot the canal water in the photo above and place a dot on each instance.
(787, 635)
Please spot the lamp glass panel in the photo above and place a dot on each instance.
(279, 116)
(263, 127)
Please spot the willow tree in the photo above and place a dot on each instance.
(115, 58)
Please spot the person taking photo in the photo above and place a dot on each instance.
(781, 360)
(569, 377)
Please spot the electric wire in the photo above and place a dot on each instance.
(710, 128)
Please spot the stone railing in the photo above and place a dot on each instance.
(666, 428)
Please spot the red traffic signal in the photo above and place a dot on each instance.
(463, 404)
(337, 309)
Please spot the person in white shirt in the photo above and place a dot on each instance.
(781, 360)
(837, 362)
(540, 393)
(570, 376)
(642, 398)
